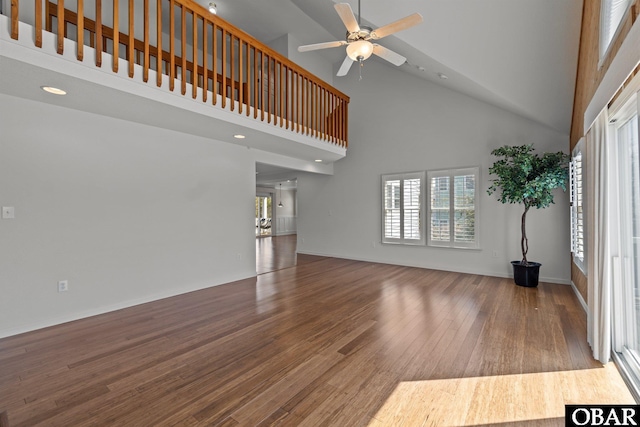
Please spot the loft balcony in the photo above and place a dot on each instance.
(198, 73)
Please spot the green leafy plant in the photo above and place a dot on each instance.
(527, 178)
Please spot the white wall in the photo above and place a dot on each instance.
(399, 123)
(287, 45)
(126, 212)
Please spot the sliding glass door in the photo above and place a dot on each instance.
(625, 238)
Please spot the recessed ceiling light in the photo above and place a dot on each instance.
(239, 136)
(442, 76)
(53, 90)
(318, 161)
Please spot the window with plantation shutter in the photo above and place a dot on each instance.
(402, 208)
(452, 208)
(577, 207)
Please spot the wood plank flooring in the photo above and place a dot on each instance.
(328, 342)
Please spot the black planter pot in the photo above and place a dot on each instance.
(526, 275)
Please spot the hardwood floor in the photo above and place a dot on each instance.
(278, 252)
(327, 342)
(275, 253)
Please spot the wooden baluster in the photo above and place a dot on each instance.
(159, 42)
(130, 46)
(116, 35)
(310, 85)
(312, 110)
(240, 76)
(333, 118)
(224, 68)
(214, 65)
(323, 116)
(145, 65)
(338, 121)
(15, 19)
(48, 18)
(205, 71)
(80, 31)
(273, 73)
(232, 77)
(172, 44)
(286, 98)
(268, 82)
(256, 83)
(38, 23)
(305, 108)
(281, 83)
(342, 108)
(264, 83)
(194, 39)
(183, 49)
(339, 125)
(299, 98)
(61, 26)
(329, 114)
(309, 89)
(248, 74)
(346, 127)
(99, 40)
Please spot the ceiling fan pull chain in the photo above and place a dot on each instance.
(360, 69)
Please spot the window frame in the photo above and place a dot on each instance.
(403, 177)
(578, 204)
(452, 173)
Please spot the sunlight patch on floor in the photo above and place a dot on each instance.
(500, 399)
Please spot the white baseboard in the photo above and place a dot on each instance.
(554, 280)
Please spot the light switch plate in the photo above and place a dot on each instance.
(8, 212)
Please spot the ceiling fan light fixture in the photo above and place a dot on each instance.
(359, 50)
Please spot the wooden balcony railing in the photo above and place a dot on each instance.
(238, 71)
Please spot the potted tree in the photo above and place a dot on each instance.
(527, 178)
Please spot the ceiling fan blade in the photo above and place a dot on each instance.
(317, 46)
(389, 55)
(347, 16)
(344, 68)
(394, 27)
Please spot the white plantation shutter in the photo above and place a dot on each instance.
(464, 204)
(577, 208)
(412, 209)
(452, 208)
(439, 211)
(392, 209)
(403, 208)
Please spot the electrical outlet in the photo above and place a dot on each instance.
(8, 212)
(63, 286)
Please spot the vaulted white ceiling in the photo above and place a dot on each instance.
(520, 55)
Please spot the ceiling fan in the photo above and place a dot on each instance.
(359, 38)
